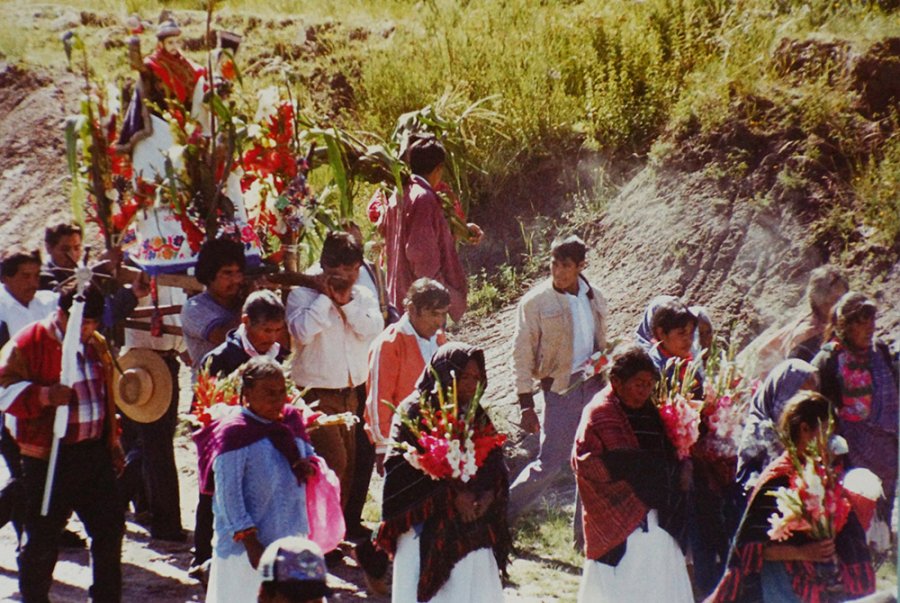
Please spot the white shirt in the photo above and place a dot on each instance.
(165, 342)
(16, 316)
(582, 326)
(331, 351)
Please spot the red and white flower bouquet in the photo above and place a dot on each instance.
(726, 396)
(815, 502)
(217, 397)
(448, 445)
(679, 410)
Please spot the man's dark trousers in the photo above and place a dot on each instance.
(84, 482)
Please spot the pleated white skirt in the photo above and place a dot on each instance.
(474, 579)
(652, 570)
(233, 580)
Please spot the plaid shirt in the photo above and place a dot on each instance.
(29, 365)
(87, 411)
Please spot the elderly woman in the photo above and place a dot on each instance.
(259, 457)
(804, 334)
(762, 569)
(760, 443)
(859, 376)
(627, 475)
(449, 540)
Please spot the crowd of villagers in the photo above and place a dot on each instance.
(698, 477)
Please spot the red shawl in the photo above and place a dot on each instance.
(177, 74)
(741, 580)
(612, 510)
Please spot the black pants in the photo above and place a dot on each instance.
(203, 529)
(10, 495)
(362, 475)
(86, 483)
(152, 446)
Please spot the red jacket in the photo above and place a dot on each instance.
(33, 359)
(418, 243)
(395, 365)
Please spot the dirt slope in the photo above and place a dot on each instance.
(33, 173)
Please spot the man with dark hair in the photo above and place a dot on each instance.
(398, 356)
(21, 303)
(332, 322)
(206, 320)
(262, 326)
(418, 240)
(63, 242)
(560, 323)
(89, 454)
(208, 317)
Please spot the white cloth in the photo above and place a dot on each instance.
(272, 352)
(232, 580)
(427, 347)
(475, 578)
(16, 316)
(653, 570)
(331, 345)
(165, 342)
(582, 326)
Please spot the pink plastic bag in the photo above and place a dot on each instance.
(323, 506)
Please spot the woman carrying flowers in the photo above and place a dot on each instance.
(860, 377)
(259, 458)
(798, 523)
(448, 535)
(628, 478)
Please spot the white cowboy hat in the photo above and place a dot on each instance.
(143, 390)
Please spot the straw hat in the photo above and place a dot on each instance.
(143, 390)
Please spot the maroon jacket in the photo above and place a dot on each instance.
(418, 243)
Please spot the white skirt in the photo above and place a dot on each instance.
(233, 580)
(475, 578)
(653, 569)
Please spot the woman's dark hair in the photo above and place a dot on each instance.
(426, 154)
(263, 306)
(340, 249)
(630, 360)
(259, 368)
(215, 255)
(805, 406)
(93, 300)
(427, 294)
(570, 248)
(672, 314)
(16, 258)
(54, 233)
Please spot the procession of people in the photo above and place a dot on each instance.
(303, 390)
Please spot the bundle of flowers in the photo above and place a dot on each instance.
(447, 445)
(597, 364)
(102, 190)
(815, 502)
(726, 394)
(679, 410)
(216, 397)
(278, 198)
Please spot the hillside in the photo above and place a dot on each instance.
(745, 144)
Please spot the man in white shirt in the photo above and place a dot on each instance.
(561, 322)
(21, 303)
(332, 323)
